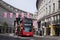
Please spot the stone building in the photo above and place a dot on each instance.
(7, 8)
(49, 16)
(35, 23)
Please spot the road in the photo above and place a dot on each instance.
(6, 37)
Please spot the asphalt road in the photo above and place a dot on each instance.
(6, 37)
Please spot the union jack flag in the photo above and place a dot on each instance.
(35, 23)
(28, 15)
(11, 15)
(22, 15)
(16, 15)
(5, 14)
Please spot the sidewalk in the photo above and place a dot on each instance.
(37, 36)
(7, 34)
(10, 35)
(47, 36)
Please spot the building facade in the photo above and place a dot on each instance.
(7, 8)
(35, 23)
(49, 16)
(10, 21)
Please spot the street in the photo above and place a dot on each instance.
(37, 18)
(7, 37)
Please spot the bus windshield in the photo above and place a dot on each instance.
(27, 28)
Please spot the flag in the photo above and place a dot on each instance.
(5, 15)
(35, 24)
(11, 15)
(16, 15)
(28, 15)
(22, 15)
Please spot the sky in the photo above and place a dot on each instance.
(25, 5)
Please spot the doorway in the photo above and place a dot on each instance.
(57, 30)
(48, 31)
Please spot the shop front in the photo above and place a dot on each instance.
(55, 30)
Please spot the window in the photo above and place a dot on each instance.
(8, 6)
(27, 25)
(16, 10)
(54, 19)
(49, 9)
(44, 1)
(46, 11)
(11, 8)
(49, 1)
(27, 21)
(27, 28)
(59, 18)
(4, 4)
(59, 4)
(53, 7)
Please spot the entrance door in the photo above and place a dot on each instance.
(57, 30)
(48, 31)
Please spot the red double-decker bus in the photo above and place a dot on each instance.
(25, 28)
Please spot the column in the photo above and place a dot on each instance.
(2, 29)
(11, 30)
(45, 31)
